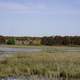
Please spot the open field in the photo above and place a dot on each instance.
(52, 62)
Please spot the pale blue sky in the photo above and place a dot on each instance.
(39, 17)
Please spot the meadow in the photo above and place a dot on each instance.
(51, 62)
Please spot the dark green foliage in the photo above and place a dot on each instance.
(2, 40)
(11, 41)
(47, 41)
(59, 40)
(50, 41)
(66, 40)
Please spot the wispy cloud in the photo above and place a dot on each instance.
(38, 8)
(16, 7)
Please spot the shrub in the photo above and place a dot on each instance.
(11, 41)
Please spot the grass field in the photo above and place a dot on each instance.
(51, 62)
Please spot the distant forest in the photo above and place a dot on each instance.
(50, 41)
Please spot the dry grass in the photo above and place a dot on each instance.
(45, 64)
(52, 62)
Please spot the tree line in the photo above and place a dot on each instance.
(50, 41)
(61, 40)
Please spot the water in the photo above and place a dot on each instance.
(36, 78)
(62, 49)
(36, 49)
(19, 49)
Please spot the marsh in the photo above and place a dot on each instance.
(40, 62)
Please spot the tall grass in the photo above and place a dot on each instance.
(41, 64)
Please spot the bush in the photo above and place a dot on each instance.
(11, 41)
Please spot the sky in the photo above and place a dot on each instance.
(39, 17)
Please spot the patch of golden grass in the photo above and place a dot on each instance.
(45, 64)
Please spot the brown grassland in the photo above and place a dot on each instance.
(51, 62)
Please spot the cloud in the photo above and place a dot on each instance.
(21, 8)
(38, 8)
(11, 7)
